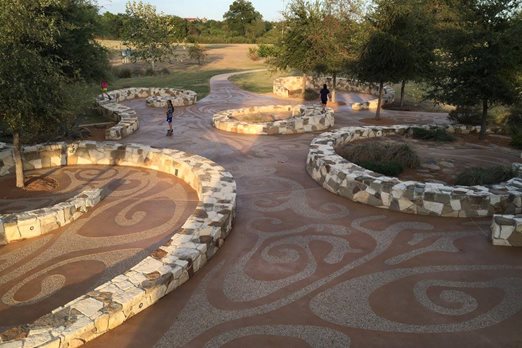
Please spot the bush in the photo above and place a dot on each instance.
(123, 73)
(253, 53)
(164, 71)
(311, 94)
(465, 115)
(484, 176)
(438, 134)
(265, 51)
(516, 137)
(150, 72)
(385, 158)
(138, 72)
(386, 168)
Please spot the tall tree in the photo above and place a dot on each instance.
(384, 58)
(148, 32)
(35, 79)
(319, 37)
(241, 16)
(482, 54)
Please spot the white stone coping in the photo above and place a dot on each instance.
(305, 118)
(179, 97)
(506, 230)
(172, 264)
(284, 86)
(34, 223)
(349, 180)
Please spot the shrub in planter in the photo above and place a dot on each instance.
(438, 134)
(390, 168)
(484, 176)
(465, 115)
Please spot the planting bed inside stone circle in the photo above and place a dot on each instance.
(361, 185)
(441, 162)
(274, 119)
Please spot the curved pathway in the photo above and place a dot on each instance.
(303, 267)
(141, 210)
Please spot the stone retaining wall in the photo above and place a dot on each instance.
(179, 97)
(172, 264)
(506, 230)
(292, 86)
(305, 118)
(349, 180)
(34, 223)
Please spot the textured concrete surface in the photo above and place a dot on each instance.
(303, 267)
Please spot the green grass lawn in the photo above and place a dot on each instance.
(257, 82)
(196, 80)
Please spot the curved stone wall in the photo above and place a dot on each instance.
(172, 264)
(292, 85)
(128, 122)
(34, 223)
(179, 97)
(305, 118)
(506, 230)
(349, 180)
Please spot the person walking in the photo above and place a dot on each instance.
(170, 113)
(325, 94)
(104, 88)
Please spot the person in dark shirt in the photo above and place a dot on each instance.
(170, 113)
(325, 94)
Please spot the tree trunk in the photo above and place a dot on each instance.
(484, 121)
(152, 63)
(379, 101)
(304, 86)
(19, 166)
(334, 87)
(403, 84)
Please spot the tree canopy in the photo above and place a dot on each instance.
(242, 18)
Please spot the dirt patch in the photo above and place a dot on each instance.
(40, 183)
(442, 162)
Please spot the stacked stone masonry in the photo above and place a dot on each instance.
(349, 180)
(305, 118)
(506, 230)
(126, 117)
(292, 86)
(34, 223)
(189, 248)
(178, 97)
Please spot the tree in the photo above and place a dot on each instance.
(411, 23)
(240, 16)
(148, 32)
(384, 58)
(319, 37)
(197, 53)
(481, 56)
(36, 82)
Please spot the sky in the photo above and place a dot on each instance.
(210, 9)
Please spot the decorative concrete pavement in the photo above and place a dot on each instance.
(140, 211)
(303, 267)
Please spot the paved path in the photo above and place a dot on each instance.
(303, 267)
(142, 209)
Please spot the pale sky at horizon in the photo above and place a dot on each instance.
(211, 9)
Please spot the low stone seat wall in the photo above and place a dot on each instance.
(128, 122)
(34, 223)
(305, 118)
(179, 97)
(506, 230)
(172, 264)
(349, 180)
(292, 85)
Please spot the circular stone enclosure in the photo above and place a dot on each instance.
(179, 97)
(349, 180)
(300, 119)
(169, 266)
